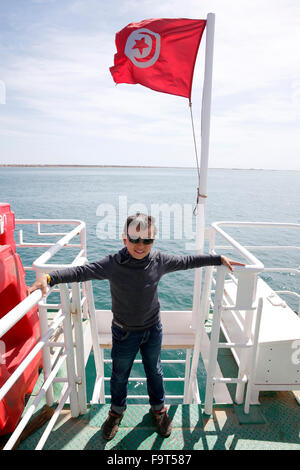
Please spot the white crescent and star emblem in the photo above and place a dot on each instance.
(143, 47)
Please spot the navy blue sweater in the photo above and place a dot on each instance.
(133, 283)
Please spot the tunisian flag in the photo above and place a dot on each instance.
(159, 54)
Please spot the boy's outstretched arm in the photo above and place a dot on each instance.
(98, 270)
(171, 263)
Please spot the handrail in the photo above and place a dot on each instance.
(19, 311)
(75, 378)
(31, 355)
(40, 264)
(255, 264)
(244, 250)
(233, 223)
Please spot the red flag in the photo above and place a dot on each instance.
(159, 54)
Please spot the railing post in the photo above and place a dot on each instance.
(251, 373)
(43, 318)
(214, 339)
(66, 308)
(187, 375)
(205, 301)
(79, 347)
(200, 327)
(98, 394)
(83, 240)
(246, 294)
(200, 324)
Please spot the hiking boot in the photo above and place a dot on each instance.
(163, 422)
(111, 425)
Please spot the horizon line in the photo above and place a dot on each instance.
(66, 165)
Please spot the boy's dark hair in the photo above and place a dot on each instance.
(140, 222)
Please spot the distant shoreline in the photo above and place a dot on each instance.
(33, 165)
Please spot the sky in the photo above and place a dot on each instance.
(60, 105)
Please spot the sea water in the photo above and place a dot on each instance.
(101, 196)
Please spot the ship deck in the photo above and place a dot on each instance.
(274, 424)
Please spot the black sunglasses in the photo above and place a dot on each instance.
(146, 241)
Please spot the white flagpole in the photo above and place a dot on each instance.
(205, 131)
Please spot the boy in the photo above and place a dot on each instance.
(133, 274)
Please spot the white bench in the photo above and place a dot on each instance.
(177, 331)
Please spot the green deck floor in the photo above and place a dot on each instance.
(272, 425)
(275, 424)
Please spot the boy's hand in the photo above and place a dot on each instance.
(40, 283)
(229, 263)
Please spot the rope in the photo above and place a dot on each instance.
(197, 161)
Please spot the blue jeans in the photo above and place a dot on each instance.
(125, 346)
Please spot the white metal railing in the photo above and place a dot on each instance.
(99, 397)
(68, 317)
(245, 281)
(40, 265)
(253, 317)
(217, 227)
